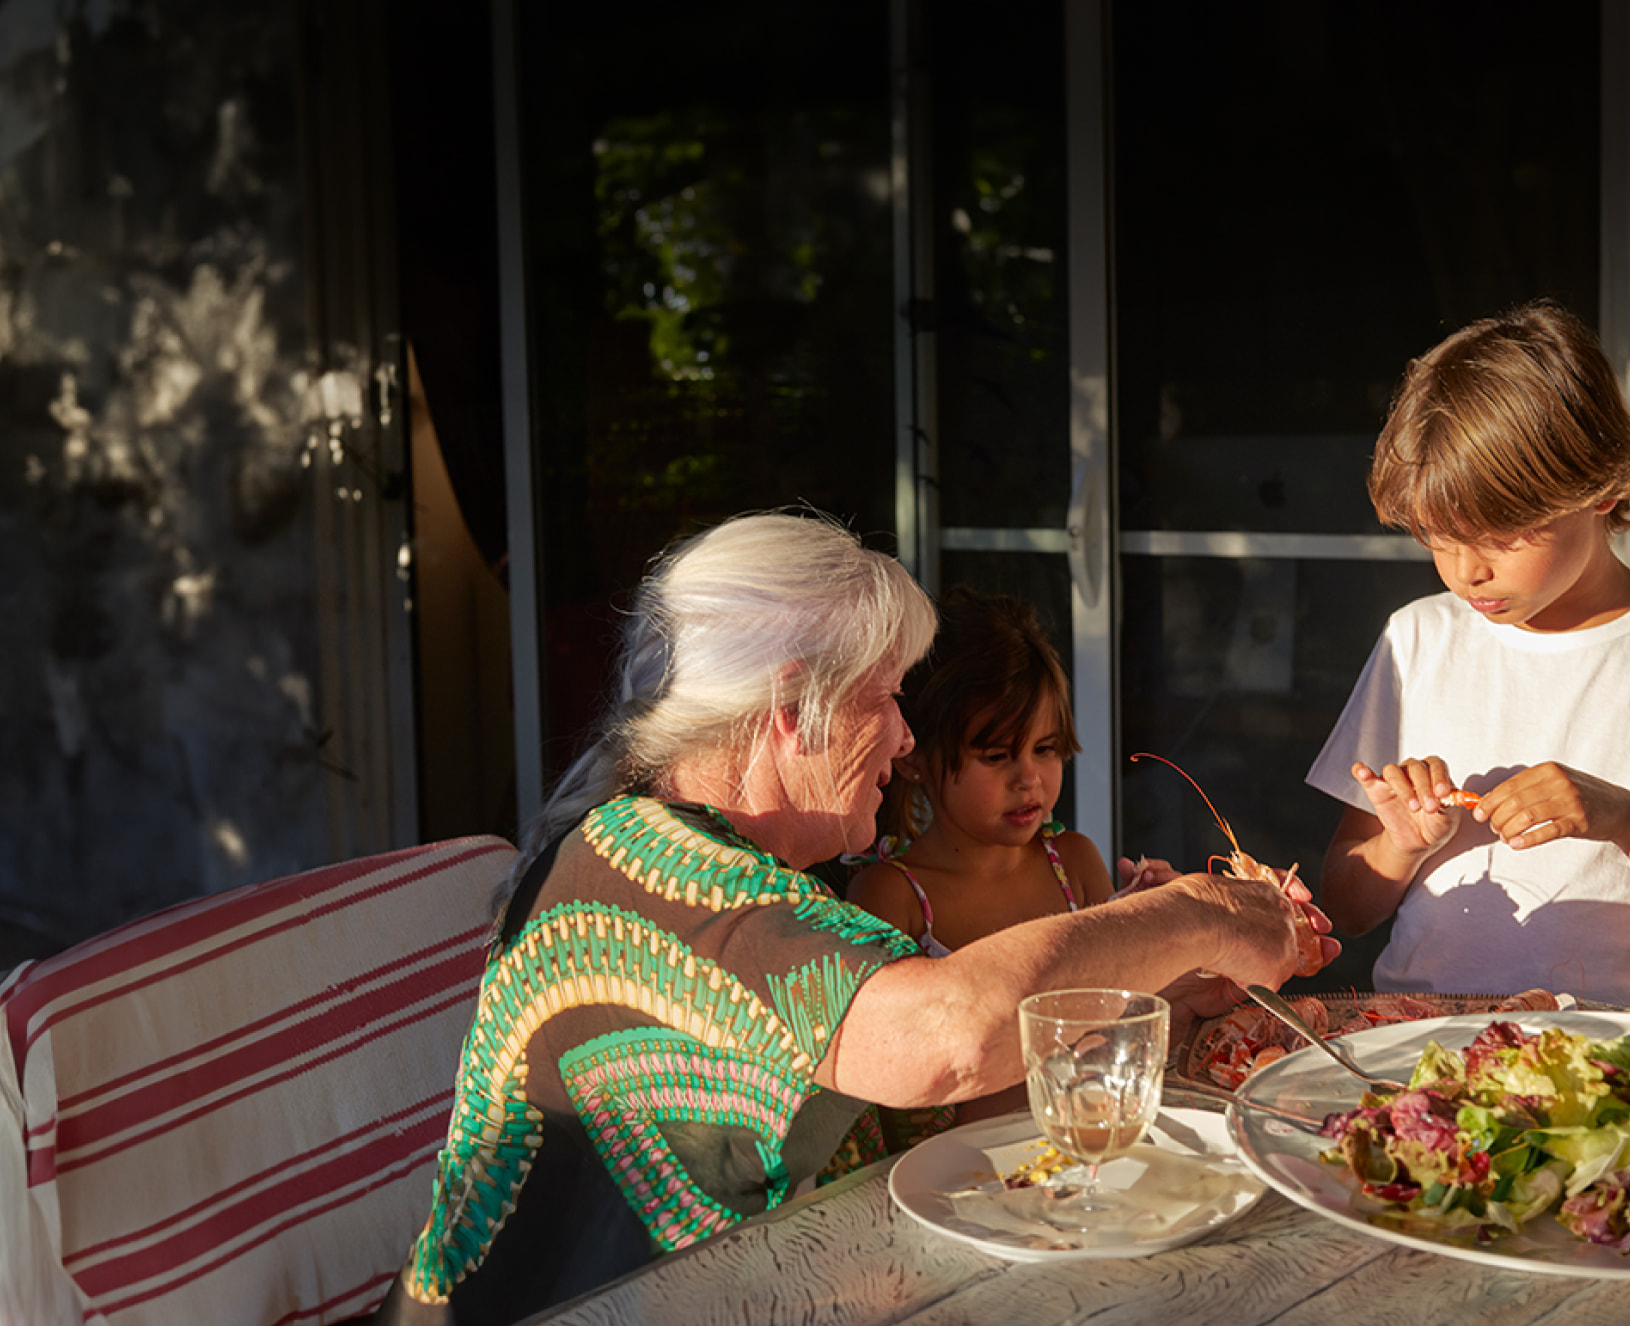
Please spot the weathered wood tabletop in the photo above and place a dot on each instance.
(846, 1256)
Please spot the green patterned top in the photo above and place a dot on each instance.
(668, 998)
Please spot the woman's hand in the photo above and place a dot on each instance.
(1254, 924)
(1199, 995)
(1203, 994)
(1549, 801)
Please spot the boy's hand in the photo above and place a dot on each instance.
(1406, 799)
(1550, 800)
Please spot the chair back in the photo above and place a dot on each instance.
(233, 1106)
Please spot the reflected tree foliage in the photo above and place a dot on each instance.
(728, 252)
(707, 218)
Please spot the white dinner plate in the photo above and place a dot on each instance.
(1307, 1082)
(1180, 1182)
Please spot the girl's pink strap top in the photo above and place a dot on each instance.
(888, 850)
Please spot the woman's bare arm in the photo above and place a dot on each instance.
(933, 1030)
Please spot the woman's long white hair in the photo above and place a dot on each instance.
(764, 611)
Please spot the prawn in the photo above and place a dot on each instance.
(1383, 1010)
(1249, 1038)
(1238, 865)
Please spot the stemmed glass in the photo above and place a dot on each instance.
(1093, 1061)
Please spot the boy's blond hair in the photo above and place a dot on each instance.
(1502, 427)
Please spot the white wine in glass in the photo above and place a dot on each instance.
(1093, 1061)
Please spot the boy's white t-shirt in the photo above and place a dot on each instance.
(1481, 917)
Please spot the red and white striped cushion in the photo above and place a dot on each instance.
(236, 1103)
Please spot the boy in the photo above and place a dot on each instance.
(1484, 755)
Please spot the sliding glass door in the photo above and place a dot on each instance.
(1183, 253)
(1100, 304)
(1305, 197)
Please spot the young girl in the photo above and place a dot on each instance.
(990, 709)
(1485, 753)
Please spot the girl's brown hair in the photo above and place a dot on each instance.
(1502, 427)
(990, 671)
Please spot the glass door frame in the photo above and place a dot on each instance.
(1614, 312)
(523, 505)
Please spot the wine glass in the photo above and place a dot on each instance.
(1093, 1061)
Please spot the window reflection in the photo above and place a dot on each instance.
(709, 240)
(1001, 298)
(1309, 194)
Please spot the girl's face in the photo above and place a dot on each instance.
(1559, 577)
(1002, 797)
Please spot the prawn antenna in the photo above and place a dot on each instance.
(1222, 823)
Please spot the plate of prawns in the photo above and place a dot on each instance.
(1225, 1051)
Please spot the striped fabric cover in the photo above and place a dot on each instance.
(236, 1103)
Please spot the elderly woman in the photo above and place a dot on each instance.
(678, 1025)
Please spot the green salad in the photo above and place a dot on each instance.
(1489, 1137)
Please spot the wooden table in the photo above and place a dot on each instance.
(845, 1256)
